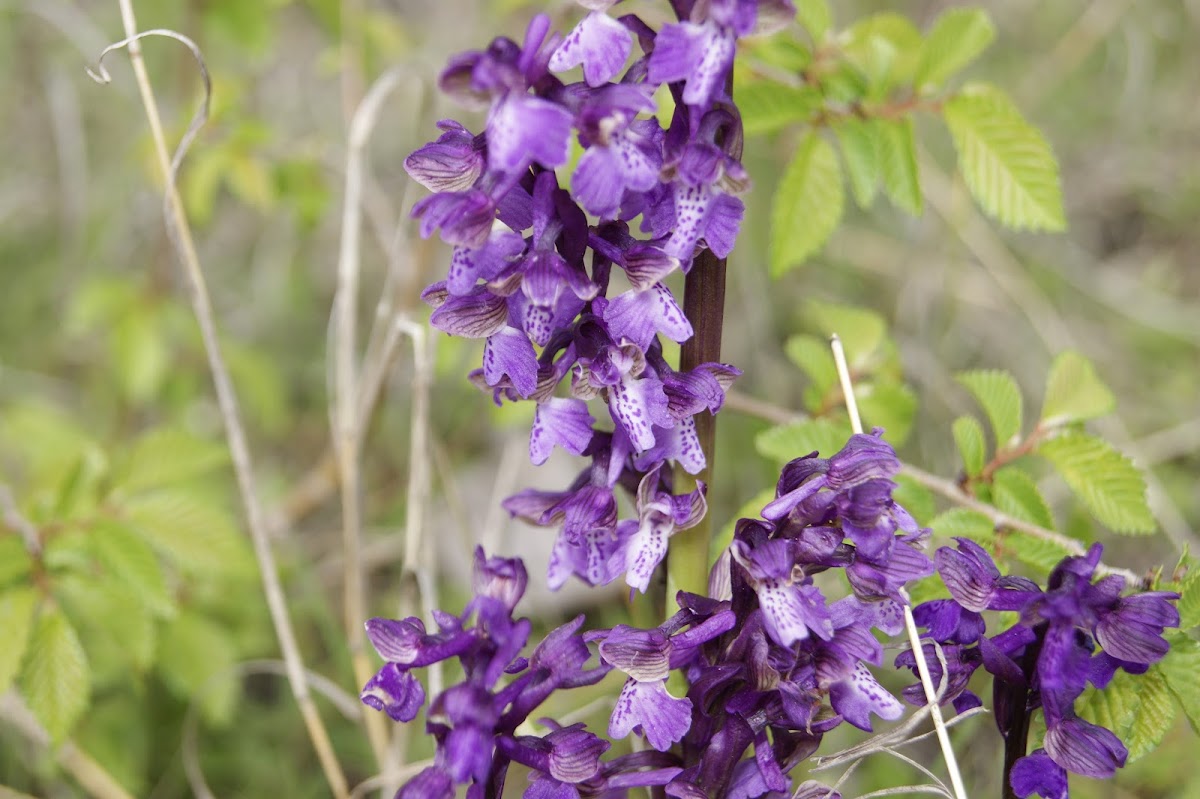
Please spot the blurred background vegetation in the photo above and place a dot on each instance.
(109, 430)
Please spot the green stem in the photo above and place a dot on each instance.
(704, 306)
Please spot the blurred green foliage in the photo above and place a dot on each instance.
(144, 596)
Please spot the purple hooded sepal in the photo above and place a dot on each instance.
(502, 579)
(1084, 748)
(395, 691)
(1037, 773)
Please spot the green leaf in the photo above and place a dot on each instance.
(859, 141)
(1007, 163)
(768, 106)
(15, 563)
(1114, 707)
(790, 441)
(816, 18)
(1180, 667)
(807, 206)
(968, 437)
(898, 160)
(1015, 493)
(128, 558)
(885, 47)
(1033, 551)
(964, 523)
(1074, 392)
(192, 651)
(16, 620)
(115, 627)
(861, 330)
(914, 498)
(1104, 480)
(998, 395)
(814, 358)
(166, 456)
(1189, 602)
(957, 38)
(1155, 714)
(55, 681)
(192, 533)
(892, 406)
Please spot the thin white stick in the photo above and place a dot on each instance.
(181, 239)
(914, 637)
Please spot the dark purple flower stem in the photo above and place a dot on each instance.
(1013, 713)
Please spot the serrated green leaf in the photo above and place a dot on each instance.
(1114, 707)
(914, 498)
(164, 457)
(56, 681)
(815, 16)
(968, 437)
(1006, 162)
(1033, 551)
(114, 625)
(193, 534)
(892, 406)
(1180, 667)
(1074, 392)
(807, 205)
(964, 523)
(885, 47)
(192, 651)
(859, 142)
(898, 161)
(1104, 480)
(998, 395)
(861, 330)
(16, 620)
(1189, 602)
(814, 358)
(1015, 493)
(15, 563)
(956, 39)
(127, 557)
(1154, 717)
(768, 106)
(790, 441)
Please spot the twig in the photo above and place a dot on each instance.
(348, 422)
(951, 491)
(14, 519)
(78, 763)
(181, 239)
(11, 793)
(914, 637)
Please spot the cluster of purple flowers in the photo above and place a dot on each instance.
(519, 277)
(769, 662)
(476, 722)
(1046, 659)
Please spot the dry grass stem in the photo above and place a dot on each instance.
(79, 764)
(181, 239)
(914, 637)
